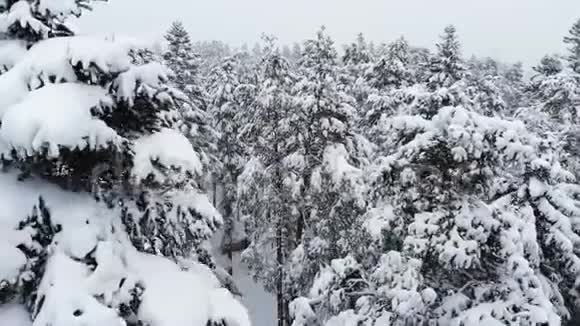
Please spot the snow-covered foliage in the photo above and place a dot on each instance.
(356, 59)
(393, 68)
(72, 264)
(390, 187)
(485, 216)
(33, 20)
(272, 173)
(470, 215)
(228, 101)
(196, 122)
(446, 66)
(98, 116)
(573, 40)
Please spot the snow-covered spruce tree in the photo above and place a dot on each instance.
(227, 97)
(514, 87)
(573, 41)
(446, 66)
(333, 158)
(485, 85)
(425, 98)
(357, 52)
(555, 91)
(386, 77)
(271, 185)
(476, 220)
(392, 69)
(196, 122)
(419, 59)
(87, 115)
(211, 54)
(557, 94)
(356, 60)
(549, 65)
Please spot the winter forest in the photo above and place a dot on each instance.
(359, 185)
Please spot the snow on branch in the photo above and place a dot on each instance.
(58, 116)
(168, 148)
(21, 14)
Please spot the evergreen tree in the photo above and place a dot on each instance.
(356, 60)
(446, 65)
(225, 109)
(195, 123)
(271, 183)
(357, 52)
(513, 91)
(549, 66)
(573, 40)
(485, 82)
(333, 158)
(471, 216)
(555, 93)
(98, 117)
(392, 69)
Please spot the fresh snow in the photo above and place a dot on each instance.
(57, 116)
(194, 298)
(21, 14)
(168, 148)
(14, 315)
(147, 78)
(11, 51)
(59, 8)
(52, 60)
(260, 304)
(171, 294)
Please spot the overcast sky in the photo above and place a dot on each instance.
(511, 30)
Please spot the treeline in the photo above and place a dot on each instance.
(392, 185)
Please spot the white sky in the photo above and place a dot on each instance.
(511, 30)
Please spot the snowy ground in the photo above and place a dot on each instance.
(260, 304)
(14, 315)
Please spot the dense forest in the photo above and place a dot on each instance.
(365, 185)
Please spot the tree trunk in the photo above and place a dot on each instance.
(280, 281)
(229, 234)
(215, 194)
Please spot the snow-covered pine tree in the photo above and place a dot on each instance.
(485, 85)
(271, 185)
(426, 97)
(357, 52)
(356, 60)
(333, 158)
(386, 77)
(446, 66)
(549, 65)
(573, 41)
(514, 87)
(392, 69)
(88, 115)
(555, 91)
(474, 215)
(227, 97)
(211, 54)
(195, 122)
